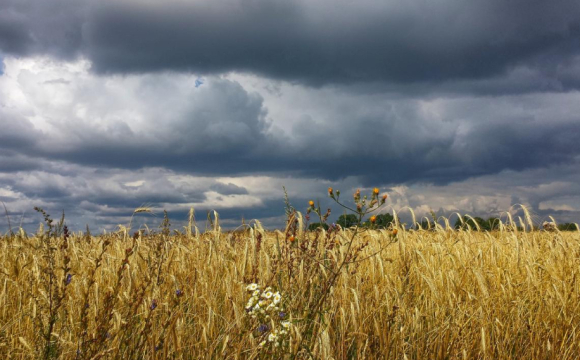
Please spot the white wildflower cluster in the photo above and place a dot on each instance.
(265, 307)
(263, 302)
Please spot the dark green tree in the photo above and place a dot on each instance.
(382, 221)
(567, 227)
(485, 225)
(469, 221)
(315, 226)
(347, 220)
(425, 225)
(491, 224)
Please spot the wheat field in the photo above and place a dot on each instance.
(399, 294)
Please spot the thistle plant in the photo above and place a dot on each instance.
(325, 262)
(55, 279)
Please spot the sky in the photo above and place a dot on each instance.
(453, 106)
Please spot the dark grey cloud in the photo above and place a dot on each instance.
(17, 131)
(312, 42)
(30, 27)
(221, 126)
(224, 129)
(334, 42)
(228, 189)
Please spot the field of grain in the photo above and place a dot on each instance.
(342, 294)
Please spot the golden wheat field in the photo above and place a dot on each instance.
(251, 293)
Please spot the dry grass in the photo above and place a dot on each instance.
(427, 295)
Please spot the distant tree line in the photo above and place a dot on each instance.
(382, 221)
(567, 227)
(484, 225)
(493, 224)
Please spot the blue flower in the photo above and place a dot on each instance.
(263, 328)
(159, 346)
(68, 279)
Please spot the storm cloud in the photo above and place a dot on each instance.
(105, 106)
(316, 42)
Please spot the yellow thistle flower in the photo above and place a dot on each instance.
(395, 231)
(291, 238)
(376, 191)
(330, 190)
(384, 199)
(373, 219)
(311, 203)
